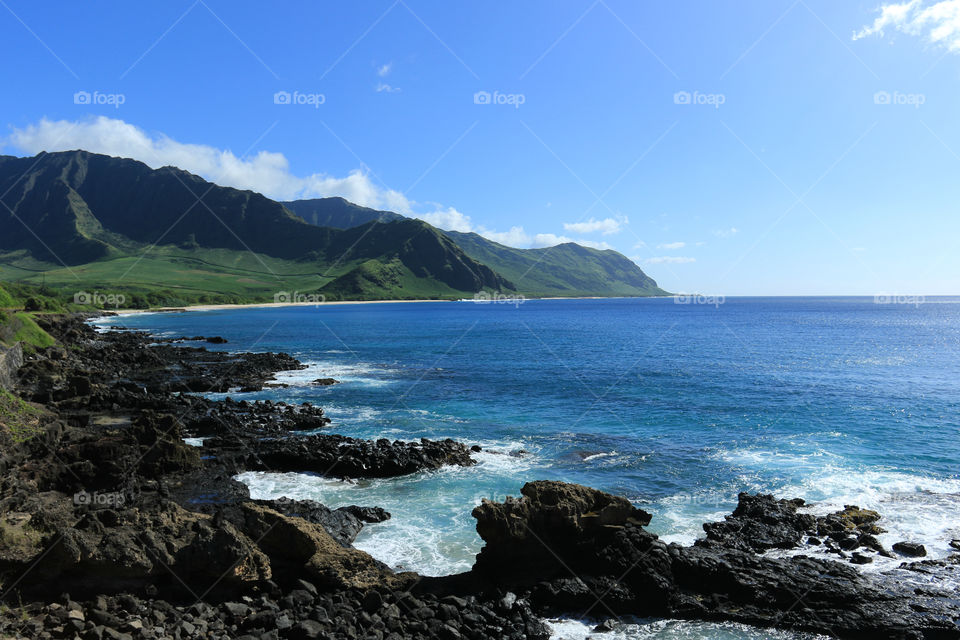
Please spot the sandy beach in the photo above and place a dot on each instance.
(257, 305)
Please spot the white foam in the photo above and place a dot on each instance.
(633, 629)
(195, 442)
(431, 531)
(361, 373)
(597, 456)
(913, 507)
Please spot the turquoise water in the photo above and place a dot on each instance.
(676, 406)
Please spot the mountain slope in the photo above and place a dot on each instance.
(109, 215)
(563, 270)
(338, 213)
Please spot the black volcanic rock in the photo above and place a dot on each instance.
(339, 456)
(154, 538)
(760, 523)
(573, 549)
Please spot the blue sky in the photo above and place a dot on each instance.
(775, 147)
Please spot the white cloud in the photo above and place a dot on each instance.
(938, 23)
(265, 172)
(672, 245)
(449, 219)
(670, 260)
(384, 69)
(518, 237)
(515, 237)
(726, 233)
(607, 226)
(383, 87)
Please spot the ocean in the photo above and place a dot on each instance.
(676, 406)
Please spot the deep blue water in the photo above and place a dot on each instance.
(676, 406)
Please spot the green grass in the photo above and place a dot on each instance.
(169, 277)
(19, 326)
(19, 420)
(30, 333)
(375, 280)
(172, 277)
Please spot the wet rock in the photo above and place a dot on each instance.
(760, 523)
(340, 456)
(344, 524)
(910, 549)
(534, 545)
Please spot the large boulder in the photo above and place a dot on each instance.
(760, 523)
(548, 525)
(343, 524)
(296, 546)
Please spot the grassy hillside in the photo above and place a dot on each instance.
(18, 306)
(564, 270)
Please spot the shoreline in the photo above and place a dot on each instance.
(106, 397)
(277, 305)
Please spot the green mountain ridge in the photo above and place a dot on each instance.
(98, 221)
(79, 221)
(566, 269)
(338, 213)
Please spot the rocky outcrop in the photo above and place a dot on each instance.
(340, 456)
(110, 551)
(11, 359)
(343, 524)
(762, 522)
(297, 546)
(571, 548)
(522, 534)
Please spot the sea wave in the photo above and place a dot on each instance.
(633, 629)
(361, 373)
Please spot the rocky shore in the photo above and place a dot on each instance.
(111, 526)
